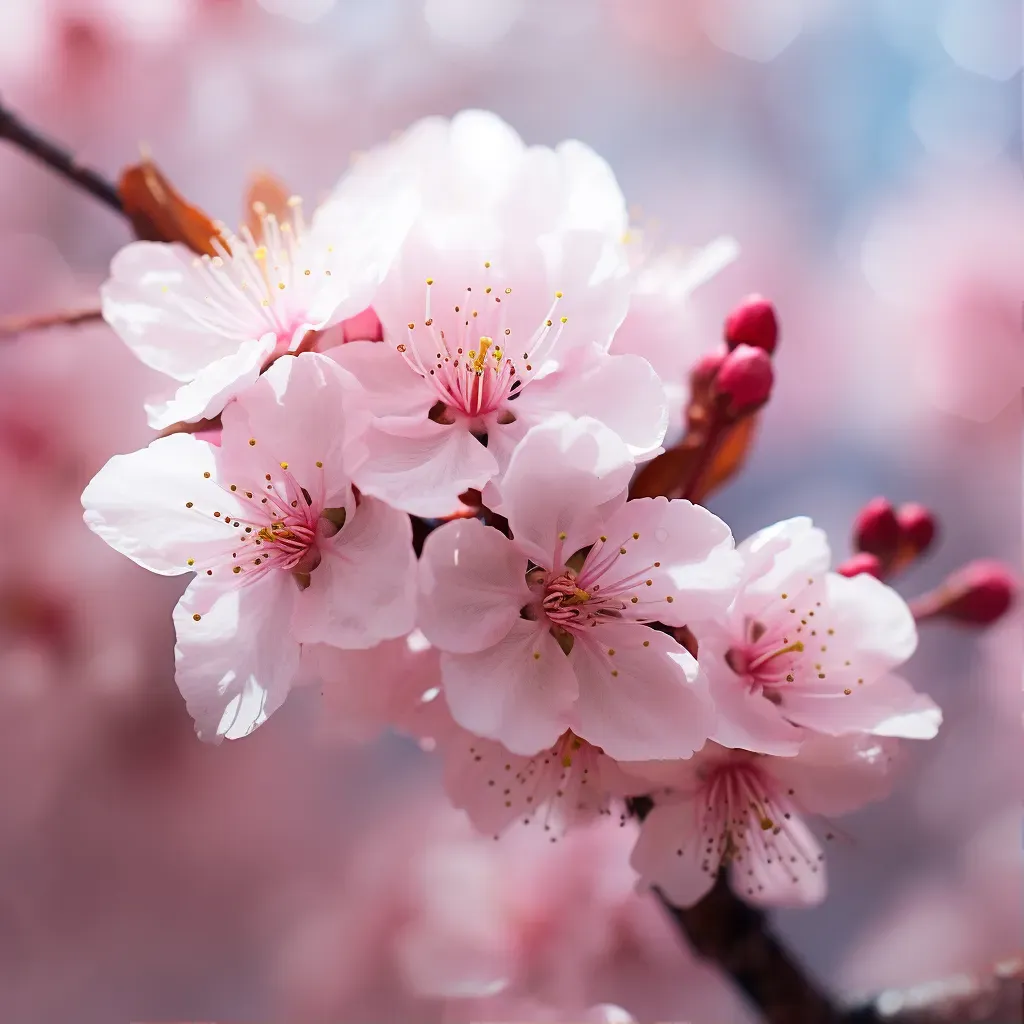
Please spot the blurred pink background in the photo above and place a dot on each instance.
(866, 156)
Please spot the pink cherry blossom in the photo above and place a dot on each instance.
(257, 518)
(804, 650)
(498, 311)
(550, 630)
(212, 324)
(566, 785)
(745, 811)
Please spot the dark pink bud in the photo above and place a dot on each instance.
(918, 528)
(861, 563)
(979, 594)
(876, 529)
(705, 369)
(753, 322)
(745, 379)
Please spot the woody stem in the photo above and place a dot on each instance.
(58, 159)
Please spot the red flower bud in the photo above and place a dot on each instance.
(861, 563)
(745, 379)
(876, 529)
(753, 322)
(705, 369)
(978, 594)
(918, 528)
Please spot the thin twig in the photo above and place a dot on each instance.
(27, 139)
(66, 318)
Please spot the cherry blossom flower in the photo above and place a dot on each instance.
(498, 311)
(550, 630)
(745, 811)
(566, 785)
(257, 519)
(804, 650)
(214, 323)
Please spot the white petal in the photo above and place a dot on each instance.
(235, 664)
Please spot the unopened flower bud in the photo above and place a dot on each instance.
(861, 563)
(978, 594)
(917, 527)
(706, 368)
(753, 322)
(876, 529)
(745, 379)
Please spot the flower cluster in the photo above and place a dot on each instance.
(400, 453)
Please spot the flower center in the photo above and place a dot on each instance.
(256, 285)
(602, 584)
(469, 355)
(276, 526)
(746, 821)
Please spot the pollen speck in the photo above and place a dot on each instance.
(237, 569)
(647, 643)
(536, 655)
(196, 616)
(284, 465)
(206, 475)
(188, 504)
(252, 441)
(191, 561)
(319, 465)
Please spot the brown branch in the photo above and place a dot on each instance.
(66, 318)
(737, 938)
(27, 139)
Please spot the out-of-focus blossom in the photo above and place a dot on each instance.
(430, 921)
(804, 650)
(532, 652)
(746, 811)
(268, 521)
(498, 312)
(949, 268)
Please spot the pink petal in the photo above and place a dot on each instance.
(392, 387)
(366, 691)
(566, 784)
(685, 550)
(670, 853)
(136, 305)
(872, 620)
(235, 665)
(565, 478)
(213, 386)
(833, 776)
(472, 586)
(299, 413)
(885, 707)
(364, 589)
(646, 701)
(622, 392)
(746, 720)
(138, 504)
(780, 559)
(520, 691)
(786, 868)
(423, 467)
